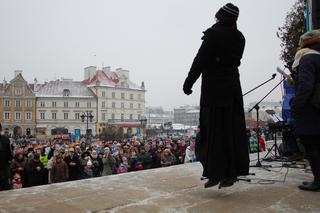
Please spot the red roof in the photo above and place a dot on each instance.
(111, 79)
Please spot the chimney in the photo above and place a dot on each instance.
(142, 85)
(123, 73)
(106, 69)
(17, 72)
(89, 72)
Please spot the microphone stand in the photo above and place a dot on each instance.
(272, 77)
(256, 107)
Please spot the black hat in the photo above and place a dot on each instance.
(36, 156)
(228, 12)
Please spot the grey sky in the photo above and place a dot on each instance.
(155, 39)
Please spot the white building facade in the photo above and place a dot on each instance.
(119, 101)
(60, 105)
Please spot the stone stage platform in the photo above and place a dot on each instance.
(171, 189)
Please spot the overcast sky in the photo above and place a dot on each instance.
(155, 39)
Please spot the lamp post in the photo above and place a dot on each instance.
(143, 122)
(87, 116)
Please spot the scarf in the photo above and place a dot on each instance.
(302, 52)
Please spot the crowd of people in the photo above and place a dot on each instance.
(53, 161)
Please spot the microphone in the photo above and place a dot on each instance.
(284, 74)
(274, 75)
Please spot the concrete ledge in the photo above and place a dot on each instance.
(171, 189)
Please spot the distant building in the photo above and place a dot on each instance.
(187, 115)
(263, 107)
(119, 101)
(17, 106)
(60, 105)
(156, 117)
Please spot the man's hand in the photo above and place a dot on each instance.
(187, 91)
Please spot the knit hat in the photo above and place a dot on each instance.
(228, 12)
(309, 38)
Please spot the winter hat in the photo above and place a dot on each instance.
(309, 38)
(36, 156)
(228, 12)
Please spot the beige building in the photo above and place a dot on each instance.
(60, 105)
(18, 106)
(119, 101)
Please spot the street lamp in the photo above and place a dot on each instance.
(143, 122)
(87, 116)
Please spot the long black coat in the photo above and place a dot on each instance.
(223, 150)
(307, 118)
(5, 152)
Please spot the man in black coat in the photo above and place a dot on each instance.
(224, 150)
(307, 115)
(5, 158)
(74, 165)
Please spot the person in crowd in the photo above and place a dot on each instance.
(50, 165)
(97, 165)
(224, 153)
(18, 166)
(145, 158)
(190, 153)
(35, 171)
(60, 170)
(305, 107)
(167, 159)
(16, 181)
(108, 162)
(5, 158)
(73, 163)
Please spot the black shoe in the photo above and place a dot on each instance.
(227, 182)
(306, 183)
(210, 183)
(310, 187)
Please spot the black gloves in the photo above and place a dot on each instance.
(186, 88)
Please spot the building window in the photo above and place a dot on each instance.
(122, 117)
(65, 116)
(131, 106)
(103, 104)
(113, 105)
(122, 105)
(88, 104)
(77, 104)
(42, 116)
(6, 103)
(28, 115)
(113, 95)
(113, 116)
(54, 104)
(18, 91)
(6, 115)
(123, 84)
(54, 116)
(139, 116)
(65, 104)
(77, 116)
(131, 96)
(66, 92)
(103, 94)
(122, 95)
(42, 104)
(29, 103)
(17, 116)
(18, 103)
(131, 116)
(103, 116)
(139, 106)
(139, 96)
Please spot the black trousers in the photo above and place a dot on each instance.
(4, 179)
(312, 146)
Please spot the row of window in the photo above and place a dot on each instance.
(17, 116)
(113, 95)
(65, 104)
(18, 103)
(113, 105)
(42, 116)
